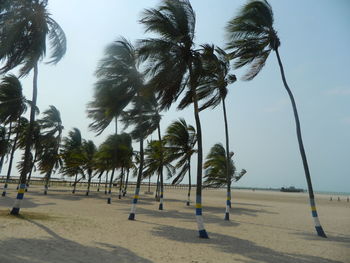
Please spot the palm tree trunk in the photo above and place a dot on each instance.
(161, 203)
(75, 183)
(89, 182)
(30, 172)
(11, 160)
(228, 199)
(116, 124)
(200, 223)
(138, 184)
(149, 184)
(121, 183)
(48, 176)
(20, 194)
(8, 139)
(106, 182)
(318, 226)
(189, 183)
(157, 189)
(126, 182)
(99, 181)
(109, 200)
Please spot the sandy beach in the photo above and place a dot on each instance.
(265, 227)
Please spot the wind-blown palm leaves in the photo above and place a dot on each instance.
(25, 27)
(71, 150)
(216, 168)
(156, 159)
(180, 141)
(117, 84)
(12, 105)
(51, 126)
(175, 65)
(251, 38)
(87, 160)
(213, 90)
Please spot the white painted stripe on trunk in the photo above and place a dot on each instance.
(200, 222)
(317, 221)
(227, 209)
(17, 203)
(133, 209)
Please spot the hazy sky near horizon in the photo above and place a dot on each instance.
(315, 43)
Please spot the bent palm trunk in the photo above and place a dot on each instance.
(138, 184)
(109, 200)
(318, 226)
(189, 182)
(121, 184)
(75, 184)
(126, 182)
(23, 178)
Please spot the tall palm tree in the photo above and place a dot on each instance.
(144, 121)
(213, 90)
(175, 65)
(180, 141)
(24, 28)
(217, 169)
(251, 38)
(12, 105)
(51, 125)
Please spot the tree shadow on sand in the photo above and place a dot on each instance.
(58, 249)
(27, 202)
(233, 245)
(331, 236)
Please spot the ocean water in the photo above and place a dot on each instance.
(333, 193)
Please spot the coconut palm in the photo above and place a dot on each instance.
(216, 168)
(180, 141)
(175, 65)
(71, 148)
(156, 159)
(51, 126)
(24, 28)
(213, 90)
(16, 131)
(12, 105)
(251, 38)
(86, 159)
(142, 117)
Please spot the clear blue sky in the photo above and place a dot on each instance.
(315, 43)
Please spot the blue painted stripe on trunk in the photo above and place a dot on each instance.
(228, 202)
(15, 211)
(131, 216)
(227, 216)
(320, 231)
(198, 211)
(203, 234)
(134, 201)
(20, 196)
(314, 213)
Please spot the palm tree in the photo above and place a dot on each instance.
(180, 140)
(71, 150)
(24, 28)
(216, 168)
(213, 90)
(86, 160)
(156, 159)
(175, 65)
(144, 121)
(251, 38)
(51, 125)
(12, 105)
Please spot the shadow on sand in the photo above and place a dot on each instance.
(58, 249)
(233, 245)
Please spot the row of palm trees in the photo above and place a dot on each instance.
(136, 83)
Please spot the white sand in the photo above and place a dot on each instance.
(264, 227)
